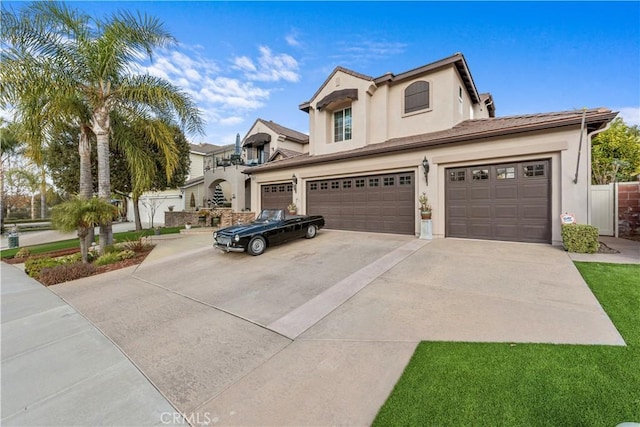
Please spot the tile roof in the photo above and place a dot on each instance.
(203, 148)
(286, 153)
(468, 131)
(288, 133)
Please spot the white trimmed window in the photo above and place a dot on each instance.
(416, 97)
(342, 125)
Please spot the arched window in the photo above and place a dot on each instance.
(416, 97)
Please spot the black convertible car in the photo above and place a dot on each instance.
(271, 227)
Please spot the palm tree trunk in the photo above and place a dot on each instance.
(84, 248)
(86, 181)
(43, 193)
(136, 212)
(100, 124)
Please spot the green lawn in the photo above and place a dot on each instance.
(74, 243)
(487, 384)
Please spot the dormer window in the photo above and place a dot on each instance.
(342, 125)
(416, 97)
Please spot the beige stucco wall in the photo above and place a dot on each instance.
(276, 141)
(378, 114)
(560, 146)
(197, 165)
(231, 180)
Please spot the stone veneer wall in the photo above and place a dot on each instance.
(629, 209)
(227, 218)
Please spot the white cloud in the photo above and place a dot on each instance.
(225, 97)
(271, 67)
(231, 121)
(630, 115)
(368, 50)
(244, 63)
(292, 39)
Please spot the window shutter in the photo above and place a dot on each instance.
(416, 96)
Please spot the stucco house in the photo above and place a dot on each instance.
(153, 204)
(265, 141)
(377, 143)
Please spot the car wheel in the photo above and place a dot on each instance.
(311, 232)
(257, 246)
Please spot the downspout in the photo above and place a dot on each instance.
(584, 116)
(589, 139)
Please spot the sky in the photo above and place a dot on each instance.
(240, 61)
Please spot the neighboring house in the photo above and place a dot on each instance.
(487, 177)
(153, 204)
(265, 141)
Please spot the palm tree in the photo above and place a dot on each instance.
(68, 59)
(82, 215)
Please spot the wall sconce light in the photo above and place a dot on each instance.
(425, 165)
(294, 179)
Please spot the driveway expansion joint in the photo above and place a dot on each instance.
(308, 314)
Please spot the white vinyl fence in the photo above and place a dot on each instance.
(603, 208)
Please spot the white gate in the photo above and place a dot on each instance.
(603, 208)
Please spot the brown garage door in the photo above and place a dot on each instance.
(276, 196)
(377, 203)
(500, 202)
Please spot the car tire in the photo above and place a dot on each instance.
(257, 246)
(312, 230)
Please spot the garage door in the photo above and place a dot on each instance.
(377, 203)
(500, 202)
(276, 196)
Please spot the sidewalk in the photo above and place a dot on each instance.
(629, 252)
(58, 369)
(38, 237)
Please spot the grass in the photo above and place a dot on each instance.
(476, 384)
(74, 243)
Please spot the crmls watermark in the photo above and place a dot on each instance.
(195, 419)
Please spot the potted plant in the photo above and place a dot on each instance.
(156, 230)
(215, 217)
(187, 226)
(425, 206)
(292, 208)
(170, 207)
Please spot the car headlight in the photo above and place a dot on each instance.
(236, 238)
(215, 234)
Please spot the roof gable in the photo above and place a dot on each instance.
(305, 105)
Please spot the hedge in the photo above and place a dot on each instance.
(580, 238)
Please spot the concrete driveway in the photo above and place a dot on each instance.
(318, 332)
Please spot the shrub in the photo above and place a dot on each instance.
(126, 254)
(33, 266)
(580, 238)
(23, 253)
(70, 259)
(107, 258)
(64, 273)
(139, 245)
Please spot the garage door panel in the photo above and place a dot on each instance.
(499, 202)
(480, 230)
(535, 190)
(480, 193)
(506, 192)
(506, 211)
(378, 203)
(531, 211)
(506, 232)
(457, 212)
(480, 211)
(457, 193)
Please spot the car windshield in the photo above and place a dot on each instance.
(270, 215)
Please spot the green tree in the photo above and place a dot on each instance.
(82, 215)
(9, 146)
(68, 58)
(615, 154)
